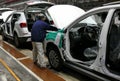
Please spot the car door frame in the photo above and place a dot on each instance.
(102, 44)
(99, 64)
(8, 34)
(67, 44)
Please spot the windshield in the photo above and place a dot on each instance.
(89, 20)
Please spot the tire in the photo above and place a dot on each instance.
(54, 58)
(16, 40)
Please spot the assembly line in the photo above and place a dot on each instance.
(45, 41)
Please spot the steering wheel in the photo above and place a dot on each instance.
(92, 32)
(88, 34)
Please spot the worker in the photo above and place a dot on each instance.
(38, 35)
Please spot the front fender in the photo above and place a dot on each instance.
(56, 37)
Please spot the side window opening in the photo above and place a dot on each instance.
(14, 19)
(113, 45)
(84, 37)
(8, 20)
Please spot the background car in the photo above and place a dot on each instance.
(89, 44)
(15, 28)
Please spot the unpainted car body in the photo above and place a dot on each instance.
(89, 45)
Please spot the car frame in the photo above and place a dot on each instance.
(15, 28)
(98, 64)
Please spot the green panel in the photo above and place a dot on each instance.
(52, 36)
(61, 40)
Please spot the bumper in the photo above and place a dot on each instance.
(25, 39)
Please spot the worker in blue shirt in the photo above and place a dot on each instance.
(38, 35)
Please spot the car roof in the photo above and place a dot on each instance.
(105, 7)
(112, 3)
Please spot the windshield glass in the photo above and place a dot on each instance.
(89, 20)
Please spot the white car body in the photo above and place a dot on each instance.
(90, 44)
(15, 27)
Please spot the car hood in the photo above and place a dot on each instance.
(6, 14)
(63, 15)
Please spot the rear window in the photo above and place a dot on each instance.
(16, 16)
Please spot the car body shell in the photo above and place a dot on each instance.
(21, 32)
(97, 70)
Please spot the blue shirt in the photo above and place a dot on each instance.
(38, 32)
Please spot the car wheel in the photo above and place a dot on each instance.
(16, 40)
(54, 58)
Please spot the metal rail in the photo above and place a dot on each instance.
(11, 72)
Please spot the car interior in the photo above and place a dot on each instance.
(83, 42)
(84, 37)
